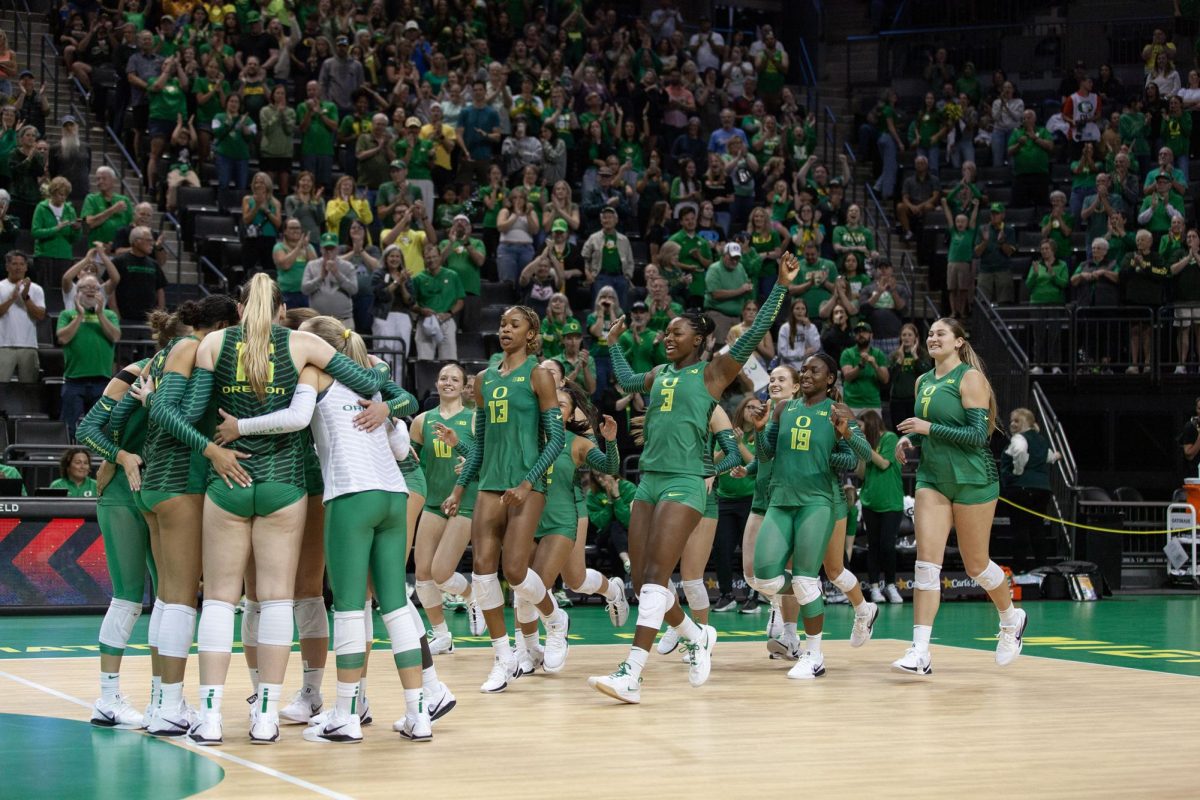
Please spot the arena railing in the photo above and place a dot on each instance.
(1137, 549)
(22, 28)
(1064, 475)
(1007, 363)
(206, 266)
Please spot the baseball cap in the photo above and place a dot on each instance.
(1162, 176)
(733, 249)
(412, 25)
(412, 122)
(463, 217)
(604, 172)
(329, 240)
(25, 73)
(998, 208)
(68, 119)
(835, 181)
(863, 326)
(343, 41)
(572, 327)
(639, 306)
(608, 210)
(253, 17)
(398, 164)
(560, 226)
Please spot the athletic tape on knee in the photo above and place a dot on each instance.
(532, 590)
(653, 603)
(807, 590)
(524, 610)
(696, 594)
(429, 594)
(250, 623)
(275, 623)
(312, 622)
(593, 583)
(991, 577)
(349, 635)
(215, 633)
(118, 623)
(769, 588)
(486, 590)
(175, 630)
(155, 623)
(456, 584)
(846, 580)
(926, 576)
(401, 630)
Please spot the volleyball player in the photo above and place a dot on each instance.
(957, 485)
(671, 496)
(808, 437)
(518, 434)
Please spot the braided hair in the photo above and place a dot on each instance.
(532, 346)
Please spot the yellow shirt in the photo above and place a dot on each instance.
(412, 245)
(443, 149)
(336, 209)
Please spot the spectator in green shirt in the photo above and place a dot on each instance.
(864, 371)
(233, 132)
(414, 151)
(1176, 132)
(1029, 148)
(278, 122)
(374, 151)
(995, 244)
(1083, 178)
(75, 473)
(1047, 283)
(104, 210)
(1185, 296)
(577, 363)
(960, 276)
(437, 296)
(695, 253)
(12, 473)
(883, 507)
(726, 289)
(168, 101)
(815, 281)
(609, 500)
(1059, 224)
(928, 132)
(318, 122)
(463, 254)
(641, 344)
(55, 229)
(208, 93)
(88, 334)
(1160, 206)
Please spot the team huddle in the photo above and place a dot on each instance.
(261, 450)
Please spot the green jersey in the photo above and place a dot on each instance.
(438, 459)
(277, 458)
(805, 443)
(939, 400)
(513, 435)
(677, 422)
(170, 465)
(561, 514)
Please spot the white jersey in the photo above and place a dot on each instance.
(353, 460)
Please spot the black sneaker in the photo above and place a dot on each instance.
(725, 603)
(751, 604)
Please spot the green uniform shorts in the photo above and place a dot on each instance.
(665, 487)
(256, 500)
(964, 494)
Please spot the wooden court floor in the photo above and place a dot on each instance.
(1042, 728)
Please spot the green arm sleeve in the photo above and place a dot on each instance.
(166, 412)
(399, 402)
(733, 454)
(766, 446)
(608, 462)
(470, 470)
(199, 392)
(463, 448)
(850, 452)
(121, 414)
(556, 438)
(90, 431)
(752, 468)
(626, 379)
(359, 379)
(743, 348)
(973, 434)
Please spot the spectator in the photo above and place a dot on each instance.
(1185, 296)
(1143, 282)
(608, 257)
(890, 144)
(609, 500)
(71, 158)
(393, 292)
(56, 226)
(742, 167)
(348, 203)
(1059, 224)
(1030, 146)
(262, 219)
(1164, 75)
(26, 169)
(411, 231)
(306, 206)
(1176, 133)
(963, 194)
(928, 132)
(105, 210)
(181, 155)
(883, 303)
(558, 311)
(12, 473)
(771, 66)
(837, 334)
(864, 372)
(606, 310)
(854, 237)
(278, 122)
(517, 224)
(1098, 208)
(577, 364)
(318, 123)
(1025, 483)
(718, 141)
(167, 103)
(695, 254)
(882, 501)
(341, 76)
(31, 102)
(88, 334)
(330, 282)
(143, 216)
(437, 297)
(995, 244)
(1109, 87)
(374, 149)
(478, 131)
(1047, 278)
(75, 473)
(816, 281)
(464, 255)
(938, 70)
(364, 256)
(91, 264)
(1166, 166)
(919, 195)
(727, 288)
(1008, 113)
(22, 306)
(798, 338)
(291, 255)
(395, 192)
(233, 131)
(1189, 440)
(1158, 46)
(441, 136)
(905, 364)
(142, 68)
(1082, 111)
(1159, 207)
(641, 344)
(1096, 282)
(960, 274)
(662, 308)
(607, 194)
(539, 281)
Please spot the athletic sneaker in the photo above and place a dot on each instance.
(441, 703)
(440, 643)
(620, 685)
(301, 710)
(208, 731)
(415, 727)
(725, 603)
(453, 602)
(618, 610)
(337, 727)
(914, 663)
(364, 711)
(557, 628)
(252, 701)
(1011, 639)
(561, 598)
(809, 667)
(475, 621)
(893, 594)
(701, 655)
(836, 597)
(171, 721)
(525, 664)
(498, 677)
(876, 594)
(785, 647)
(265, 729)
(750, 606)
(775, 619)
(668, 641)
(864, 624)
(116, 712)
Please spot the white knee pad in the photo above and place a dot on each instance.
(807, 590)
(215, 634)
(118, 623)
(696, 594)
(349, 635)
(991, 577)
(531, 590)
(250, 623)
(593, 583)
(653, 603)
(768, 588)
(487, 592)
(846, 580)
(312, 621)
(401, 630)
(926, 576)
(369, 623)
(429, 594)
(455, 584)
(753, 583)
(175, 630)
(523, 610)
(275, 624)
(155, 623)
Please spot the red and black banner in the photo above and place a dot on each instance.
(51, 554)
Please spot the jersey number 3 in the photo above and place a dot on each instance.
(668, 394)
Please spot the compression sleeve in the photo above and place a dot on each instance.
(399, 441)
(199, 392)
(626, 379)
(90, 431)
(766, 447)
(744, 347)
(357, 378)
(556, 438)
(296, 416)
(399, 402)
(121, 414)
(733, 454)
(973, 434)
(166, 412)
(607, 462)
(470, 470)
(752, 468)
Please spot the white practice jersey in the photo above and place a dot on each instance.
(353, 460)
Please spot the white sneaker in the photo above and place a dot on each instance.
(1035, 370)
(440, 643)
(618, 610)
(1011, 639)
(415, 727)
(364, 711)
(864, 624)
(875, 594)
(1181, 370)
(171, 721)
(252, 701)
(668, 641)
(893, 594)
(620, 685)
(441, 703)
(808, 668)
(701, 655)
(475, 621)
(336, 727)
(525, 664)
(914, 663)
(775, 619)
(498, 677)
(557, 629)
(301, 710)
(117, 713)
(208, 731)
(265, 729)
(785, 647)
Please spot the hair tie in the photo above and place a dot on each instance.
(345, 333)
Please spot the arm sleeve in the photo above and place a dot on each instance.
(556, 437)
(733, 454)
(974, 433)
(90, 431)
(400, 402)
(199, 392)
(297, 415)
(166, 412)
(766, 448)
(850, 451)
(626, 379)
(744, 347)
(607, 462)
(470, 470)
(752, 468)
(398, 440)
(358, 378)
(121, 414)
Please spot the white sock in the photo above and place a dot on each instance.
(110, 685)
(210, 698)
(155, 690)
(254, 678)
(532, 642)
(789, 630)
(414, 701)
(171, 695)
(689, 630)
(611, 593)
(269, 694)
(636, 661)
(502, 649)
(813, 641)
(440, 628)
(362, 689)
(429, 681)
(921, 636)
(1009, 616)
(347, 697)
(312, 679)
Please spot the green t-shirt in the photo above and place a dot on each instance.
(818, 293)
(858, 236)
(928, 124)
(318, 139)
(863, 391)
(12, 472)
(89, 354)
(210, 108)
(289, 280)
(602, 509)
(610, 256)
(456, 258)
(1062, 242)
(1047, 286)
(1030, 158)
(1085, 178)
(418, 163)
(1177, 133)
(660, 319)
(85, 489)
(232, 138)
(641, 350)
(883, 489)
(718, 278)
(94, 204)
(169, 102)
(962, 246)
(599, 346)
(490, 216)
(691, 250)
(50, 241)
(439, 292)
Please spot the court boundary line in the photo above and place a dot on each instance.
(207, 751)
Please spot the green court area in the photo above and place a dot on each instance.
(1148, 632)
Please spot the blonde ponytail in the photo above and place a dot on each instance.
(260, 302)
(339, 337)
